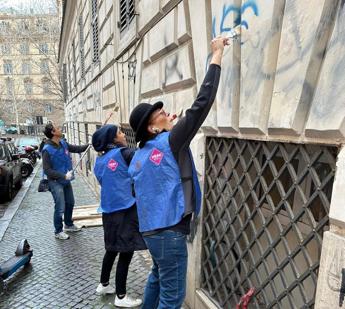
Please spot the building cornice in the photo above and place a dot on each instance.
(68, 9)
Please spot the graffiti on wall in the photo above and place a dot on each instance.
(237, 12)
(229, 18)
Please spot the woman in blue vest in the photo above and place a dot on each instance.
(166, 186)
(119, 213)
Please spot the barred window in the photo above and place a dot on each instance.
(126, 14)
(130, 135)
(266, 208)
(94, 25)
(81, 47)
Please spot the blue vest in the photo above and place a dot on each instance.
(111, 171)
(158, 185)
(60, 159)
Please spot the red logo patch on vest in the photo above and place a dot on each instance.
(156, 156)
(112, 164)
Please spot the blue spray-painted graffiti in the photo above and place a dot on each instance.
(238, 11)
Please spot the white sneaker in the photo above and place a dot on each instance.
(102, 290)
(72, 228)
(127, 302)
(62, 236)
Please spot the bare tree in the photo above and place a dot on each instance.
(28, 34)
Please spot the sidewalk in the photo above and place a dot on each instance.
(63, 274)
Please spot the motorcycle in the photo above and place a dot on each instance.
(27, 167)
(31, 153)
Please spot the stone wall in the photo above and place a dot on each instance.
(281, 80)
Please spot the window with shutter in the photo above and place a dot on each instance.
(94, 26)
(64, 82)
(69, 74)
(81, 47)
(74, 65)
(127, 14)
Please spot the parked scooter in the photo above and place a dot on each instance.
(31, 153)
(21, 258)
(27, 167)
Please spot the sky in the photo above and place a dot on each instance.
(27, 6)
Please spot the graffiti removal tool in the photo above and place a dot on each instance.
(22, 257)
(81, 158)
(234, 32)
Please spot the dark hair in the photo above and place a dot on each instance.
(48, 130)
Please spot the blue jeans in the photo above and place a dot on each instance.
(166, 285)
(64, 203)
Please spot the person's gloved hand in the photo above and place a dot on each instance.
(89, 142)
(69, 175)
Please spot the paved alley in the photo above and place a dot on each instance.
(62, 274)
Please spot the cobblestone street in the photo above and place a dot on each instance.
(62, 274)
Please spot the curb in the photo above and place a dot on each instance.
(15, 204)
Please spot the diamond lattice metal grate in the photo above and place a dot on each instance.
(130, 136)
(266, 208)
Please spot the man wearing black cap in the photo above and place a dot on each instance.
(166, 186)
(119, 213)
(57, 165)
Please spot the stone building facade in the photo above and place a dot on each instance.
(30, 92)
(270, 155)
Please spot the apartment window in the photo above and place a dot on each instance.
(23, 26)
(8, 68)
(30, 108)
(26, 67)
(94, 25)
(43, 48)
(9, 85)
(28, 85)
(24, 48)
(44, 66)
(45, 86)
(48, 108)
(5, 49)
(41, 26)
(39, 119)
(4, 26)
(81, 47)
(126, 14)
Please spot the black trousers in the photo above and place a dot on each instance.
(121, 269)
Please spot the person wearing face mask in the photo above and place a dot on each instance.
(119, 213)
(166, 186)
